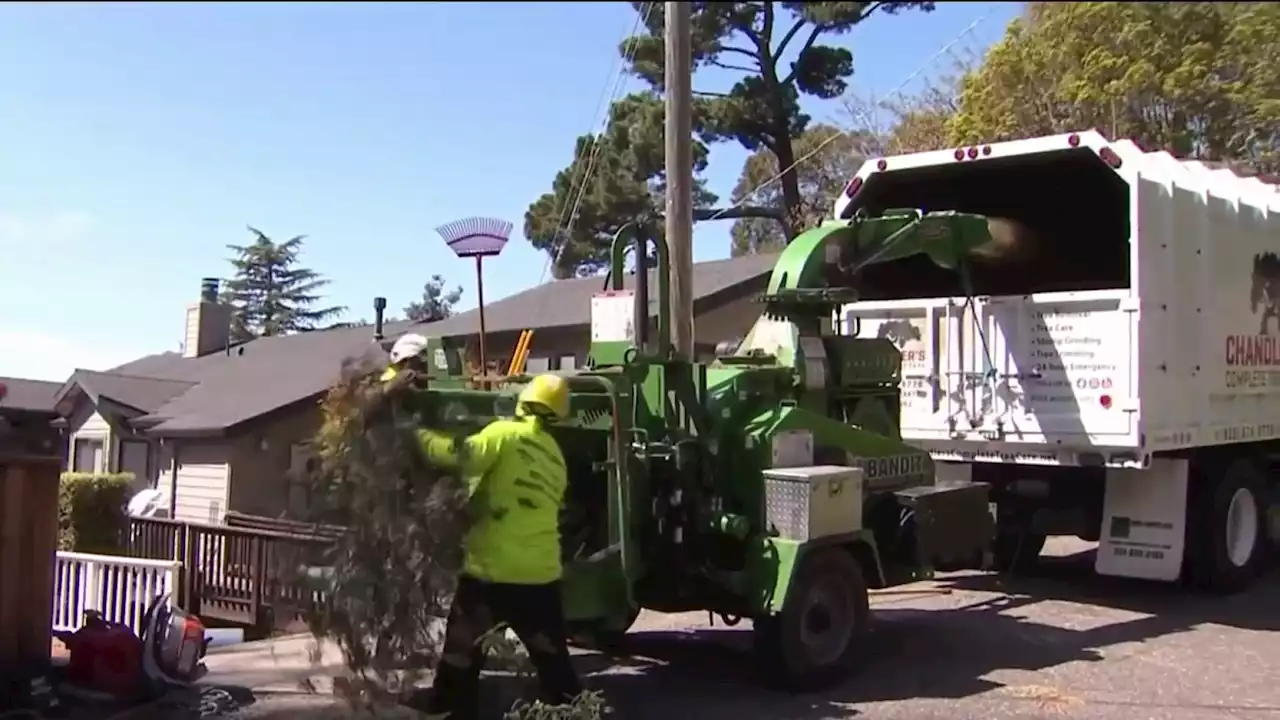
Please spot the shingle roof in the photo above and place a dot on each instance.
(568, 302)
(33, 395)
(249, 380)
(143, 394)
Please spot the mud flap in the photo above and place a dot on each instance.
(953, 524)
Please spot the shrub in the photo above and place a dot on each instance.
(91, 511)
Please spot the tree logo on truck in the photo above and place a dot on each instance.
(901, 332)
(1264, 296)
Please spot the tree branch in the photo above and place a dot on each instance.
(818, 30)
(786, 39)
(808, 43)
(727, 66)
(708, 93)
(766, 28)
(740, 51)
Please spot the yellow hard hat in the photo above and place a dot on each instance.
(548, 391)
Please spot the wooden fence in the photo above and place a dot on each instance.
(28, 541)
(243, 572)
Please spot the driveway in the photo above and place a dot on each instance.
(1064, 644)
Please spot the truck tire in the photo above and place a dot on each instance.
(818, 637)
(1226, 527)
(1016, 551)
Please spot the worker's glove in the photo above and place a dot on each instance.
(405, 380)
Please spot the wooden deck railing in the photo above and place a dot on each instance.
(244, 575)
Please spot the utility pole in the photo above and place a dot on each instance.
(679, 170)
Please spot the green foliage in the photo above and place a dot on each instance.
(91, 511)
(436, 302)
(775, 47)
(576, 221)
(394, 570)
(1198, 79)
(270, 294)
(837, 157)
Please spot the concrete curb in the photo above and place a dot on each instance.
(253, 644)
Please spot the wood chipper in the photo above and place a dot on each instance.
(766, 483)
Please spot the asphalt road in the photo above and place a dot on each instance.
(1062, 644)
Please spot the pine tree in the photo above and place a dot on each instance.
(270, 294)
(436, 303)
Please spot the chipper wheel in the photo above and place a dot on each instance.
(816, 640)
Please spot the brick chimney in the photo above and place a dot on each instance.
(208, 323)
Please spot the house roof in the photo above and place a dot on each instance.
(31, 395)
(568, 302)
(140, 393)
(215, 392)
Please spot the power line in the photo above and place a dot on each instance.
(569, 213)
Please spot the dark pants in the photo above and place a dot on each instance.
(536, 615)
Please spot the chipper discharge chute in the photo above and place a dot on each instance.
(769, 483)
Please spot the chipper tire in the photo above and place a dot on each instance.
(818, 638)
(1227, 544)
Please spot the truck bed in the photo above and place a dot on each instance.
(1187, 355)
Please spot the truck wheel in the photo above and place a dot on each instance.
(816, 639)
(1016, 551)
(1226, 528)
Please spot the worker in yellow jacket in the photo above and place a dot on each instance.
(512, 564)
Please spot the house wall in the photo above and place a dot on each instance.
(121, 450)
(90, 433)
(263, 458)
(202, 488)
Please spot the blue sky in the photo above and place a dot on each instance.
(138, 140)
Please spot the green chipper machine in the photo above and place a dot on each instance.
(768, 483)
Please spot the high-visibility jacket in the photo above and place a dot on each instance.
(517, 480)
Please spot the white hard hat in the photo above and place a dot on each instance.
(408, 346)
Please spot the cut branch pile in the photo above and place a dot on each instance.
(389, 579)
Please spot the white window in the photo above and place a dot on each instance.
(537, 365)
(135, 457)
(88, 455)
(568, 362)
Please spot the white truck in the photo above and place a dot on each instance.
(1111, 366)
